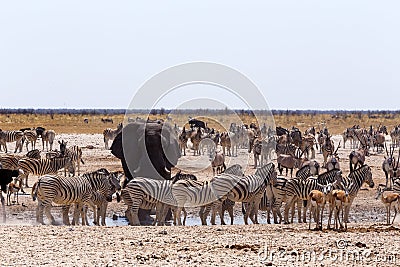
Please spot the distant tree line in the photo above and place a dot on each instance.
(163, 111)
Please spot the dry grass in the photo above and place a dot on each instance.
(73, 123)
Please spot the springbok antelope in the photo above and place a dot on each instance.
(340, 200)
(389, 200)
(317, 200)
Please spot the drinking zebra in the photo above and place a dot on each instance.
(74, 153)
(227, 204)
(110, 134)
(11, 136)
(42, 166)
(146, 193)
(66, 191)
(224, 186)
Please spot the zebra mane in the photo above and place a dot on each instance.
(183, 176)
(235, 169)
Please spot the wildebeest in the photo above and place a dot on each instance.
(105, 120)
(197, 123)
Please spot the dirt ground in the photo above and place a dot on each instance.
(368, 241)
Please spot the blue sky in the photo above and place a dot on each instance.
(301, 54)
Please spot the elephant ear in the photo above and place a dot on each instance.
(116, 147)
(170, 145)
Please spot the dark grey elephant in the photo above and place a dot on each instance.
(147, 149)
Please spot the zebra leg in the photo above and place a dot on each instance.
(230, 211)
(347, 210)
(65, 210)
(178, 215)
(309, 222)
(3, 208)
(47, 209)
(288, 205)
(39, 212)
(218, 207)
(76, 213)
(304, 206)
(256, 205)
(103, 212)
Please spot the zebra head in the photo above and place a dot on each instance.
(267, 172)
(63, 146)
(361, 175)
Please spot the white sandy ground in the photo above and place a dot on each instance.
(367, 243)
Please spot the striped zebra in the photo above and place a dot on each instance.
(34, 154)
(396, 185)
(251, 188)
(53, 154)
(48, 137)
(190, 193)
(299, 189)
(74, 153)
(234, 188)
(11, 136)
(66, 191)
(110, 134)
(42, 166)
(30, 136)
(227, 205)
(10, 162)
(147, 192)
(328, 149)
(98, 202)
(353, 182)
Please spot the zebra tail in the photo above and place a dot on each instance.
(34, 191)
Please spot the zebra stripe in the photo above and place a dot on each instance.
(110, 134)
(30, 136)
(299, 189)
(396, 185)
(147, 190)
(67, 191)
(11, 161)
(354, 182)
(147, 193)
(227, 204)
(34, 154)
(235, 188)
(75, 154)
(42, 166)
(11, 136)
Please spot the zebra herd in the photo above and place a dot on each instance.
(264, 190)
